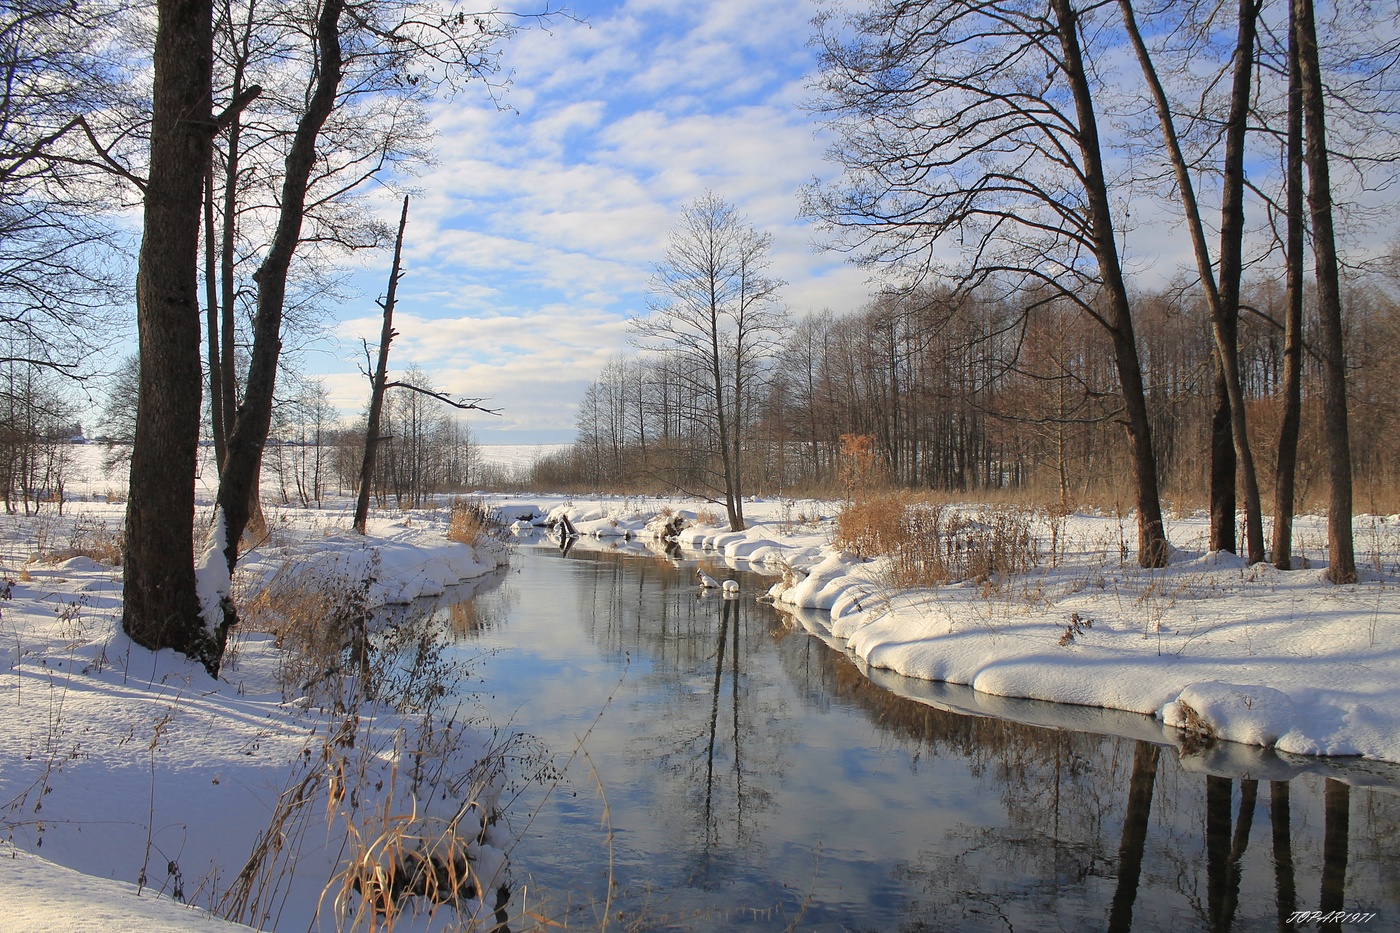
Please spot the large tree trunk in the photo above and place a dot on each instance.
(1286, 467)
(1341, 563)
(1152, 539)
(161, 607)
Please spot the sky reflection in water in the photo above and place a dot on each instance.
(753, 778)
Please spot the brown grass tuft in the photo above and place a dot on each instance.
(1196, 733)
(319, 615)
(929, 544)
(872, 525)
(88, 536)
(473, 522)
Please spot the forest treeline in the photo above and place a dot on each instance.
(979, 396)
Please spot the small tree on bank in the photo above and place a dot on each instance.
(714, 304)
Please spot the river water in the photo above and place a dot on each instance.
(716, 764)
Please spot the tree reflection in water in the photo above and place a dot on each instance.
(749, 744)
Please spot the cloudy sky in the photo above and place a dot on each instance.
(535, 234)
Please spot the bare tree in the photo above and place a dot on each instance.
(715, 303)
(37, 426)
(372, 46)
(62, 264)
(1286, 463)
(377, 380)
(1341, 560)
(971, 149)
(1220, 274)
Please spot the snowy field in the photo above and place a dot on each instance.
(516, 457)
(122, 764)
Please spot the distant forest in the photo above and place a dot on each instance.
(979, 396)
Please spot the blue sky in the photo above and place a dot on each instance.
(535, 233)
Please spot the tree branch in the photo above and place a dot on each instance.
(466, 404)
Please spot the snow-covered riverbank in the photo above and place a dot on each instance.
(123, 763)
(250, 795)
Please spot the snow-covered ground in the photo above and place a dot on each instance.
(133, 780)
(123, 764)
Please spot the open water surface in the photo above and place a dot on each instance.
(724, 766)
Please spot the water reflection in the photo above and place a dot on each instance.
(757, 778)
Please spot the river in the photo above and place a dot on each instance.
(704, 763)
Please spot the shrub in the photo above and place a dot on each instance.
(928, 544)
(473, 522)
(871, 526)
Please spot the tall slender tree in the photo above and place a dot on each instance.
(1220, 274)
(1286, 462)
(716, 304)
(377, 381)
(1341, 559)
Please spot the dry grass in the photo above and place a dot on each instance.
(401, 861)
(872, 526)
(319, 615)
(86, 536)
(473, 522)
(929, 543)
(1196, 733)
(398, 859)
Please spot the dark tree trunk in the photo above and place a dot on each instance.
(1152, 539)
(161, 606)
(376, 396)
(1229, 425)
(1222, 464)
(237, 484)
(1285, 473)
(1227, 317)
(1341, 562)
(223, 399)
(211, 315)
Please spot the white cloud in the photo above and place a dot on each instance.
(533, 238)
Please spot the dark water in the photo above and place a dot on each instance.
(724, 769)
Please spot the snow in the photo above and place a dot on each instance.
(124, 764)
(122, 760)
